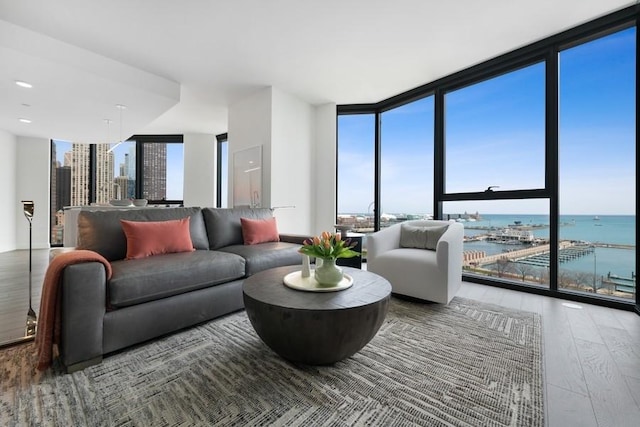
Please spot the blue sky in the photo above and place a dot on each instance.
(495, 135)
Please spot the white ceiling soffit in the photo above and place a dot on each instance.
(74, 90)
(219, 51)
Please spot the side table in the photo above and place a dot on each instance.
(355, 262)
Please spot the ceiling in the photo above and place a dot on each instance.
(178, 65)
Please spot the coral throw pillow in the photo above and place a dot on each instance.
(256, 231)
(146, 238)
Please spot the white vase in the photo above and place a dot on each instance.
(328, 273)
(306, 271)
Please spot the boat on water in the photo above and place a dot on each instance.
(511, 236)
(596, 218)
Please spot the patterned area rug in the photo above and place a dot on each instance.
(466, 364)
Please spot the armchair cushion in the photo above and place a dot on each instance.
(413, 236)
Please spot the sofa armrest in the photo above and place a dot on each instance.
(382, 241)
(83, 305)
(294, 238)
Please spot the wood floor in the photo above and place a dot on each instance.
(14, 290)
(591, 358)
(591, 353)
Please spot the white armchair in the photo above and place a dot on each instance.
(419, 273)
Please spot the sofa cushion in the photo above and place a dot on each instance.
(412, 236)
(256, 231)
(146, 238)
(101, 231)
(224, 227)
(148, 279)
(266, 255)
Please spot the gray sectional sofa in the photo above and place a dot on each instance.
(149, 297)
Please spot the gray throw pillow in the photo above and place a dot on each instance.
(412, 236)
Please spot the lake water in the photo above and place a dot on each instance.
(612, 229)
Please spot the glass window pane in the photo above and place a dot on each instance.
(505, 239)
(79, 159)
(356, 140)
(60, 188)
(69, 182)
(224, 174)
(175, 171)
(494, 131)
(105, 189)
(163, 171)
(125, 170)
(406, 162)
(597, 172)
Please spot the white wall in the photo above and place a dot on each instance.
(32, 183)
(8, 191)
(292, 141)
(250, 126)
(323, 185)
(299, 156)
(200, 159)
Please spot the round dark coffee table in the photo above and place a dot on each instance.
(316, 328)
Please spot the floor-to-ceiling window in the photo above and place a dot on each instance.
(506, 239)
(160, 160)
(495, 133)
(70, 182)
(356, 139)
(124, 170)
(222, 171)
(150, 167)
(494, 143)
(597, 168)
(406, 162)
(533, 151)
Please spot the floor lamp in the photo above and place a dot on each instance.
(32, 320)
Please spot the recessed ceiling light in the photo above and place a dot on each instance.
(23, 120)
(26, 105)
(24, 84)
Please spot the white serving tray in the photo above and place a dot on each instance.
(310, 284)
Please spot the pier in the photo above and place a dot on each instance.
(620, 284)
(537, 256)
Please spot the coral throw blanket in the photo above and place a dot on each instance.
(48, 330)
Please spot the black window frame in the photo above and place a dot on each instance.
(140, 141)
(546, 51)
(220, 140)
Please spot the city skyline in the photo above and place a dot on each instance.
(114, 177)
(174, 164)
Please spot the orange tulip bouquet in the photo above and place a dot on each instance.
(329, 246)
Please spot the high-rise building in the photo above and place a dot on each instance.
(155, 171)
(124, 187)
(79, 159)
(57, 229)
(63, 188)
(53, 189)
(130, 162)
(68, 159)
(104, 174)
